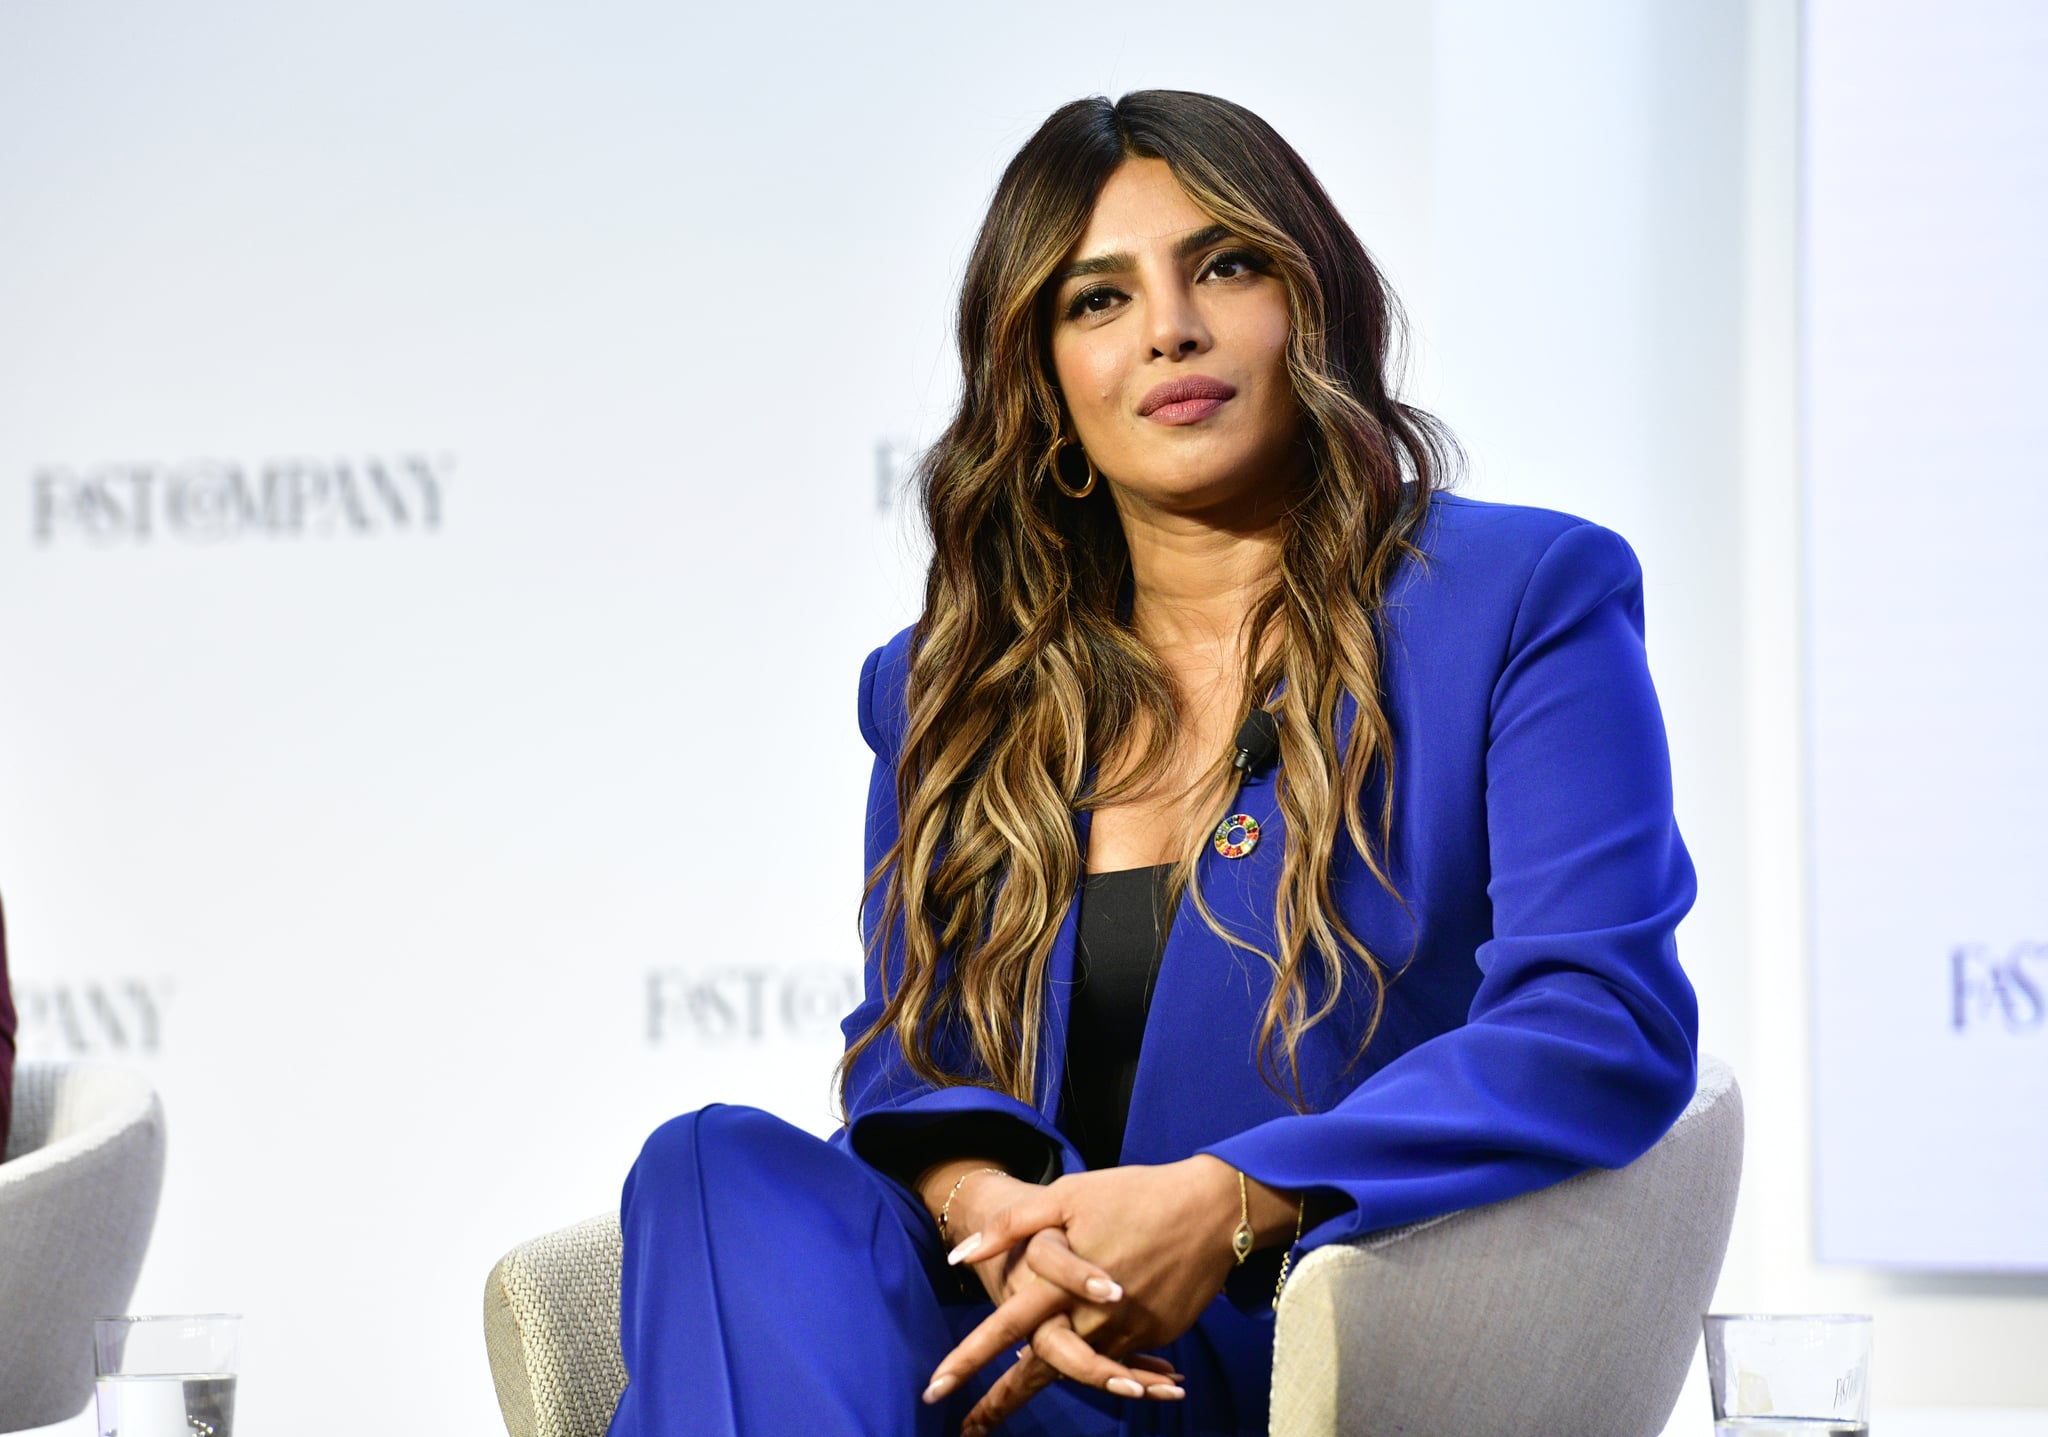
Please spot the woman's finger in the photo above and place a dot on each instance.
(1070, 1356)
(1010, 1226)
(1005, 1275)
(1155, 1364)
(1057, 1263)
(1064, 1349)
(1013, 1320)
(1032, 1374)
(1012, 1390)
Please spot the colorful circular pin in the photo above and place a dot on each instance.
(1237, 835)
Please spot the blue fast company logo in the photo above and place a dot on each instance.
(1998, 989)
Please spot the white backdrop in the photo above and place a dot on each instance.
(443, 440)
(1925, 304)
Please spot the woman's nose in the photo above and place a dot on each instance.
(1177, 328)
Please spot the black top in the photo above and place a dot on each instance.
(1122, 937)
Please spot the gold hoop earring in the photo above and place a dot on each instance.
(1060, 484)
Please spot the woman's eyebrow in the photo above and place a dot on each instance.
(1122, 260)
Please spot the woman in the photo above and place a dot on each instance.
(1265, 848)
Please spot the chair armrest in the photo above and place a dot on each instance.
(551, 1324)
(1571, 1309)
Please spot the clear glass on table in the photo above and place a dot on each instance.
(1789, 1376)
(166, 1376)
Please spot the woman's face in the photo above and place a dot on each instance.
(1169, 342)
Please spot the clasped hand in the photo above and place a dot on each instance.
(1088, 1270)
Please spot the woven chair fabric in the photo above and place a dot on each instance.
(551, 1324)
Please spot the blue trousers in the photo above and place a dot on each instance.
(776, 1285)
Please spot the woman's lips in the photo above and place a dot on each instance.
(1186, 400)
(1185, 411)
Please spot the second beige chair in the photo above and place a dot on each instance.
(78, 1191)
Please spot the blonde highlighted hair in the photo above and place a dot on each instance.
(1022, 671)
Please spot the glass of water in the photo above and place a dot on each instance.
(166, 1376)
(1787, 1376)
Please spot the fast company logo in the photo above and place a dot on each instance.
(92, 1017)
(1993, 989)
(742, 1004)
(212, 500)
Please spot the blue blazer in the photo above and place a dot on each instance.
(1539, 1023)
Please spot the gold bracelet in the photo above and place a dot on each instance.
(946, 1208)
(1287, 1258)
(1241, 1240)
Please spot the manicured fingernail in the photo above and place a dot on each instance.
(1103, 1290)
(1124, 1387)
(1022, 1350)
(966, 1249)
(940, 1387)
(1166, 1392)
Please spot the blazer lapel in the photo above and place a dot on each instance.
(1195, 1063)
(1059, 990)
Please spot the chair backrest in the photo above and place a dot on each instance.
(1572, 1309)
(78, 1195)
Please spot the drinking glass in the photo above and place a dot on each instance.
(1789, 1376)
(166, 1376)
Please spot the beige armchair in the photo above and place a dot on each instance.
(1573, 1309)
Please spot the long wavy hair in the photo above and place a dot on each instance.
(1024, 672)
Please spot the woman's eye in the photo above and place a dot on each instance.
(1092, 301)
(1234, 264)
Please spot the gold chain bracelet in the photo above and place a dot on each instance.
(1287, 1258)
(946, 1208)
(1241, 1240)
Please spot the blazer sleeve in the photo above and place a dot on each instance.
(1579, 1047)
(895, 1120)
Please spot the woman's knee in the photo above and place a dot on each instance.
(730, 1140)
(678, 1145)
